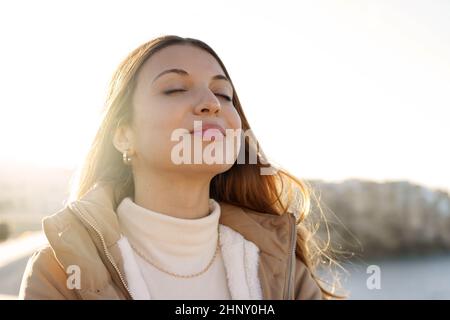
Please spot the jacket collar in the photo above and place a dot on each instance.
(270, 233)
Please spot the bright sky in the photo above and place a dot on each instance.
(333, 89)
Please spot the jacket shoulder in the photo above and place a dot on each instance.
(60, 220)
(44, 278)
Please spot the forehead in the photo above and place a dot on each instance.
(196, 61)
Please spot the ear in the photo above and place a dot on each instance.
(123, 139)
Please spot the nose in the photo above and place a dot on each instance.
(209, 104)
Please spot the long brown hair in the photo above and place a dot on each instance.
(241, 185)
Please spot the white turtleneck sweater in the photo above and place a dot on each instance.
(182, 246)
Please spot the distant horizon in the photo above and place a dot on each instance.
(37, 167)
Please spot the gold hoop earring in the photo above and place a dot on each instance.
(126, 158)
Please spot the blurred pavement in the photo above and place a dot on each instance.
(14, 254)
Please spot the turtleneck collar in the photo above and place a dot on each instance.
(176, 244)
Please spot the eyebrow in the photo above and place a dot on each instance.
(185, 73)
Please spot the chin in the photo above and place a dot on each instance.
(207, 169)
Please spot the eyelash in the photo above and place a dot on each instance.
(181, 90)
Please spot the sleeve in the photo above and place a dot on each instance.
(306, 288)
(44, 278)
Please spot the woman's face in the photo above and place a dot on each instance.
(176, 86)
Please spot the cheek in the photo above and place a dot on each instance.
(233, 118)
(154, 126)
(234, 122)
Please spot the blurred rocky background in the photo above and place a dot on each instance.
(373, 219)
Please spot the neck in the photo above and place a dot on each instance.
(173, 194)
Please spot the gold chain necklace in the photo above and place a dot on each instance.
(176, 274)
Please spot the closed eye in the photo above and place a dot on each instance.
(168, 92)
(173, 91)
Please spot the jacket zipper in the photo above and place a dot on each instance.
(291, 259)
(108, 255)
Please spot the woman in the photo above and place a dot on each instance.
(144, 224)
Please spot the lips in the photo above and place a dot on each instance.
(209, 130)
